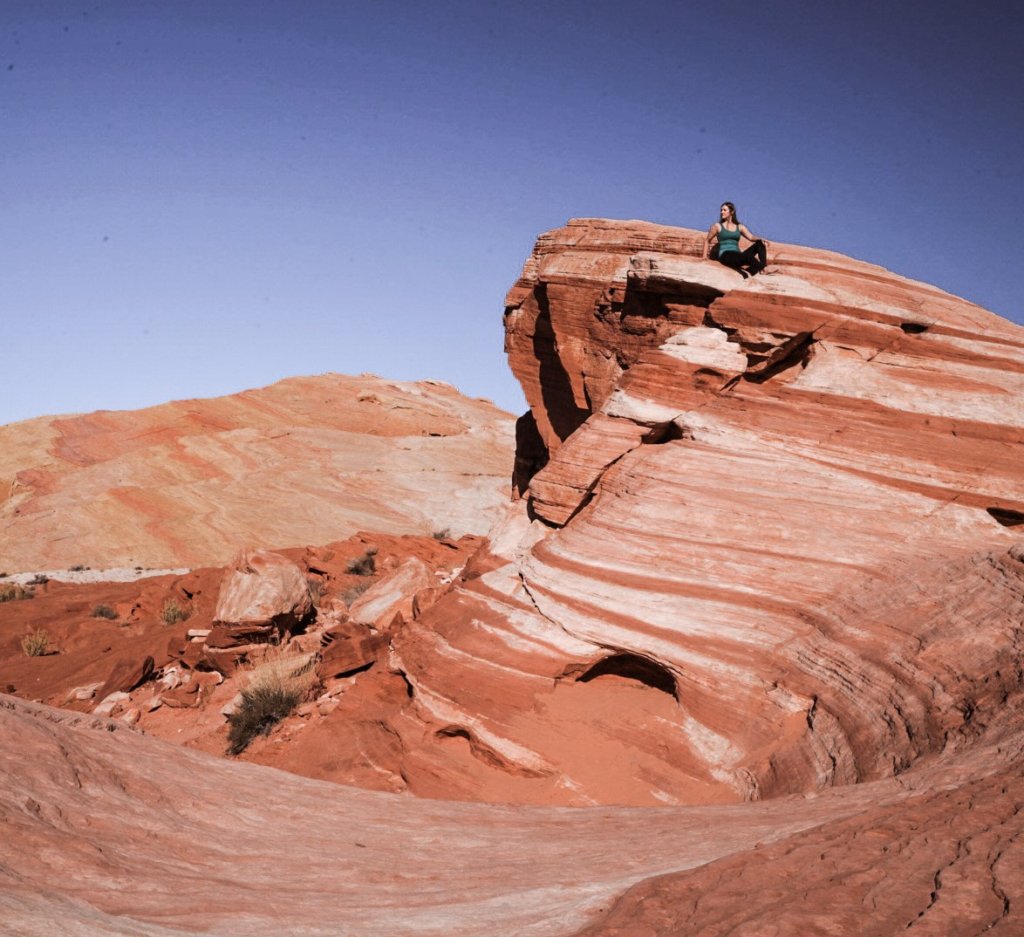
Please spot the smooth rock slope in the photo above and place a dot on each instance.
(305, 461)
(109, 832)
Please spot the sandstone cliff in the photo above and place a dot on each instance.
(307, 460)
(766, 541)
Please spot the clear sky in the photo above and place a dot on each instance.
(200, 197)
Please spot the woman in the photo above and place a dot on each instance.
(726, 232)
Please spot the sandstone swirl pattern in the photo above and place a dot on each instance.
(305, 461)
(769, 534)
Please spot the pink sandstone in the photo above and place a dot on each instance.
(107, 831)
(764, 581)
(772, 546)
(306, 460)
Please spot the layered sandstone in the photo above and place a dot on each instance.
(306, 460)
(108, 831)
(768, 541)
(764, 576)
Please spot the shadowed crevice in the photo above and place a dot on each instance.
(634, 667)
(531, 453)
(560, 406)
(1006, 516)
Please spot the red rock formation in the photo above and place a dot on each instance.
(767, 551)
(773, 533)
(307, 460)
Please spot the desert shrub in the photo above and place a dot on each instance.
(78, 569)
(104, 611)
(172, 612)
(364, 565)
(274, 689)
(39, 579)
(36, 643)
(11, 592)
(353, 592)
(442, 534)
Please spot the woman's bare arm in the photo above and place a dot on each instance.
(711, 237)
(750, 237)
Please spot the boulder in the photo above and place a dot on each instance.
(349, 647)
(262, 595)
(395, 592)
(126, 676)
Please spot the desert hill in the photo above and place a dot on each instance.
(755, 611)
(306, 460)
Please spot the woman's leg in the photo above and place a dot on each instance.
(755, 257)
(733, 260)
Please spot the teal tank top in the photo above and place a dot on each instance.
(728, 240)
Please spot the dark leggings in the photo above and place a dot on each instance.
(754, 258)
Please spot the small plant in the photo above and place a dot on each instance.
(442, 534)
(275, 688)
(78, 569)
(172, 612)
(39, 579)
(364, 565)
(36, 643)
(104, 611)
(353, 592)
(12, 592)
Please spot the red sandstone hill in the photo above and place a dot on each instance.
(758, 607)
(306, 460)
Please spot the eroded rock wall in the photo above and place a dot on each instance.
(766, 541)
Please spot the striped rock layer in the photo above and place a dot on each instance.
(768, 541)
(308, 460)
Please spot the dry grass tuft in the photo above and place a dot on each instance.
(353, 592)
(364, 565)
(172, 612)
(273, 690)
(104, 611)
(12, 592)
(36, 644)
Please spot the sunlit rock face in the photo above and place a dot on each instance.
(766, 535)
(305, 461)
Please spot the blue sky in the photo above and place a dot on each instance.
(197, 198)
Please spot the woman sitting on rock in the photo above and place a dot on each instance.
(727, 233)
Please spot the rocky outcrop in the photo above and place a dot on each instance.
(774, 528)
(306, 461)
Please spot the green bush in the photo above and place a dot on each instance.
(442, 534)
(104, 611)
(262, 707)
